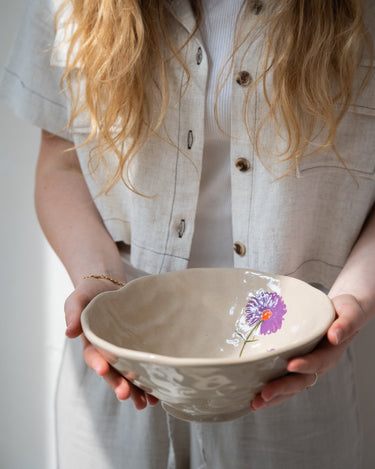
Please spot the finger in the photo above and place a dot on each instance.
(122, 388)
(118, 384)
(282, 389)
(324, 357)
(259, 403)
(350, 319)
(152, 400)
(137, 396)
(93, 359)
(74, 305)
(290, 384)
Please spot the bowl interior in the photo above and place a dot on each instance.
(209, 314)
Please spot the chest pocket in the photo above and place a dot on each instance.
(355, 140)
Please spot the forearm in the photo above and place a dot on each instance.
(68, 216)
(357, 277)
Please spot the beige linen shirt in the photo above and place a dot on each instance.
(303, 224)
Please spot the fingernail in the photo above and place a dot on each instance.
(257, 403)
(338, 336)
(255, 407)
(268, 398)
(142, 403)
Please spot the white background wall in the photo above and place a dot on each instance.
(33, 286)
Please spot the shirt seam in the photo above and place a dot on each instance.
(164, 254)
(315, 260)
(361, 172)
(30, 90)
(176, 172)
(252, 172)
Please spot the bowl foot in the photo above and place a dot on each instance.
(203, 417)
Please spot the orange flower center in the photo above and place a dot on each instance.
(266, 315)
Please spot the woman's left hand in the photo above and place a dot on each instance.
(305, 370)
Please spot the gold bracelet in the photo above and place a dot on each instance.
(105, 277)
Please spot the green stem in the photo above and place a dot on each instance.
(249, 335)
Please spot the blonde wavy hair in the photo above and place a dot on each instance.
(312, 49)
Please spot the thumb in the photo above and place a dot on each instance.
(350, 319)
(74, 305)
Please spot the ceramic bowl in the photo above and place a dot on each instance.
(205, 341)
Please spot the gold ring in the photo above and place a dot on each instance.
(315, 380)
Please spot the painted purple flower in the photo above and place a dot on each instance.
(268, 309)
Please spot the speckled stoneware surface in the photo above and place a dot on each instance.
(205, 341)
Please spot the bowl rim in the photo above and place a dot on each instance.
(167, 360)
(181, 362)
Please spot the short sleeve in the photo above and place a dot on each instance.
(30, 84)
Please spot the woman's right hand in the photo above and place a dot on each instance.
(76, 232)
(84, 292)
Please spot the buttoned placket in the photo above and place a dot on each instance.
(191, 140)
(189, 153)
(242, 158)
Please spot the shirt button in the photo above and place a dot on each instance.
(190, 139)
(257, 6)
(239, 248)
(244, 78)
(199, 56)
(242, 164)
(181, 228)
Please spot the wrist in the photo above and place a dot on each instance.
(106, 277)
(97, 266)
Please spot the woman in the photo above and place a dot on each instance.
(199, 128)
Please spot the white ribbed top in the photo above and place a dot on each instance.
(213, 242)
